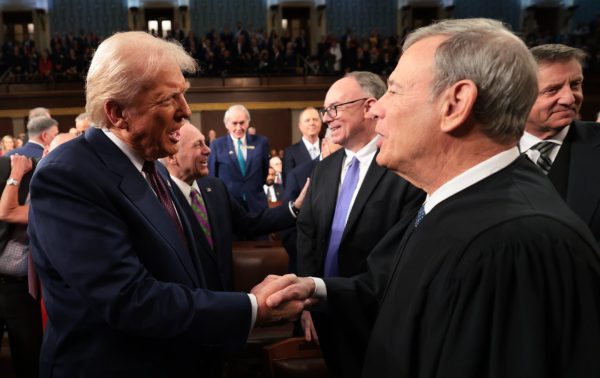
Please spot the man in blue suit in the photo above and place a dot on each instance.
(241, 160)
(308, 148)
(188, 169)
(123, 287)
(40, 130)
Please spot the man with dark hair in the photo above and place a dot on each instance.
(564, 148)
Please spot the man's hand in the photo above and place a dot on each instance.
(300, 199)
(289, 310)
(310, 333)
(297, 289)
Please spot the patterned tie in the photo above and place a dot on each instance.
(420, 215)
(314, 152)
(160, 188)
(240, 157)
(339, 219)
(201, 214)
(545, 148)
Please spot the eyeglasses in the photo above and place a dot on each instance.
(332, 110)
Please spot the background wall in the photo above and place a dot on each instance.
(102, 17)
(508, 11)
(362, 16)
(205, 15)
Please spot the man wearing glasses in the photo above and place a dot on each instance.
(351, 204)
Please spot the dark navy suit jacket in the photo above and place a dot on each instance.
(124, 292)
(246, 189)
(32, 150)
(295, 155)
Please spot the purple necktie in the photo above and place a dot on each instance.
(339, 219)
(160, 188)
(201, 214)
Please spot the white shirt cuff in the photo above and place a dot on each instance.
(320, 289)
(254, 305)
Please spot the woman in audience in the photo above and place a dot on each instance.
(8, 144)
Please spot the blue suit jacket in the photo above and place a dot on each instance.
(223, 164)
(116, 275)
(29, 149)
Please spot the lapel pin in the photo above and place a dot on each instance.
(230, 152)
(209, 189)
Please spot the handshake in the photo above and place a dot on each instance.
(283, 297)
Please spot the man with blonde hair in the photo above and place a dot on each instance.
(125, 293)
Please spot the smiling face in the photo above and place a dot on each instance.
(192, 158)
(152, 121)
(237, 123)
(559, 98)
(407, 118)
(310, 124)
(349, 128)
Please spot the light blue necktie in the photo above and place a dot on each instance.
(240, 157)
(339, 219)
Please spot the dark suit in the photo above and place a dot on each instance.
(123, 290)
(494, 282)
(383, 199)
(29, 149)
(223, 163)
(295, 155)
(227, 217)
(294, 182)
(575, 172)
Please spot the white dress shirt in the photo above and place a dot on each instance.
(527, 141)
(313, 148)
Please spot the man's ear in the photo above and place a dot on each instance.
(368, 104)
(117, 116)
(458, 102)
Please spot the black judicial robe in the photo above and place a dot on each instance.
(499, 280)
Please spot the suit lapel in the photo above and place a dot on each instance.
(250, 151)
(374, 174)
(138, 191)
(583, 192)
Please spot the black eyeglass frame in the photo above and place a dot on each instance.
(332, 110)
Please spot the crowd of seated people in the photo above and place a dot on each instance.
(245, 51)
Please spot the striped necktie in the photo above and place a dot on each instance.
(545, 148)
(201, 214)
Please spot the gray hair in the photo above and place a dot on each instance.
(126, 64)
(39, 112)
(233, 108)
(37, 125)
(556, 52)
(369, 82)
(82, 117)
(487, 53)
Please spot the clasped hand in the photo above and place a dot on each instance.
(282, 297)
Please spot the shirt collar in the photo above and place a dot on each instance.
(235, 140)
(309, 145)
(364, 153)
(529, 140)
(134, 157)
(471, 176)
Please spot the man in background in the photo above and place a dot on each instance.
(241, 160)
(351, 204)
(308, 148)
(564, 148)
(40, 131)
